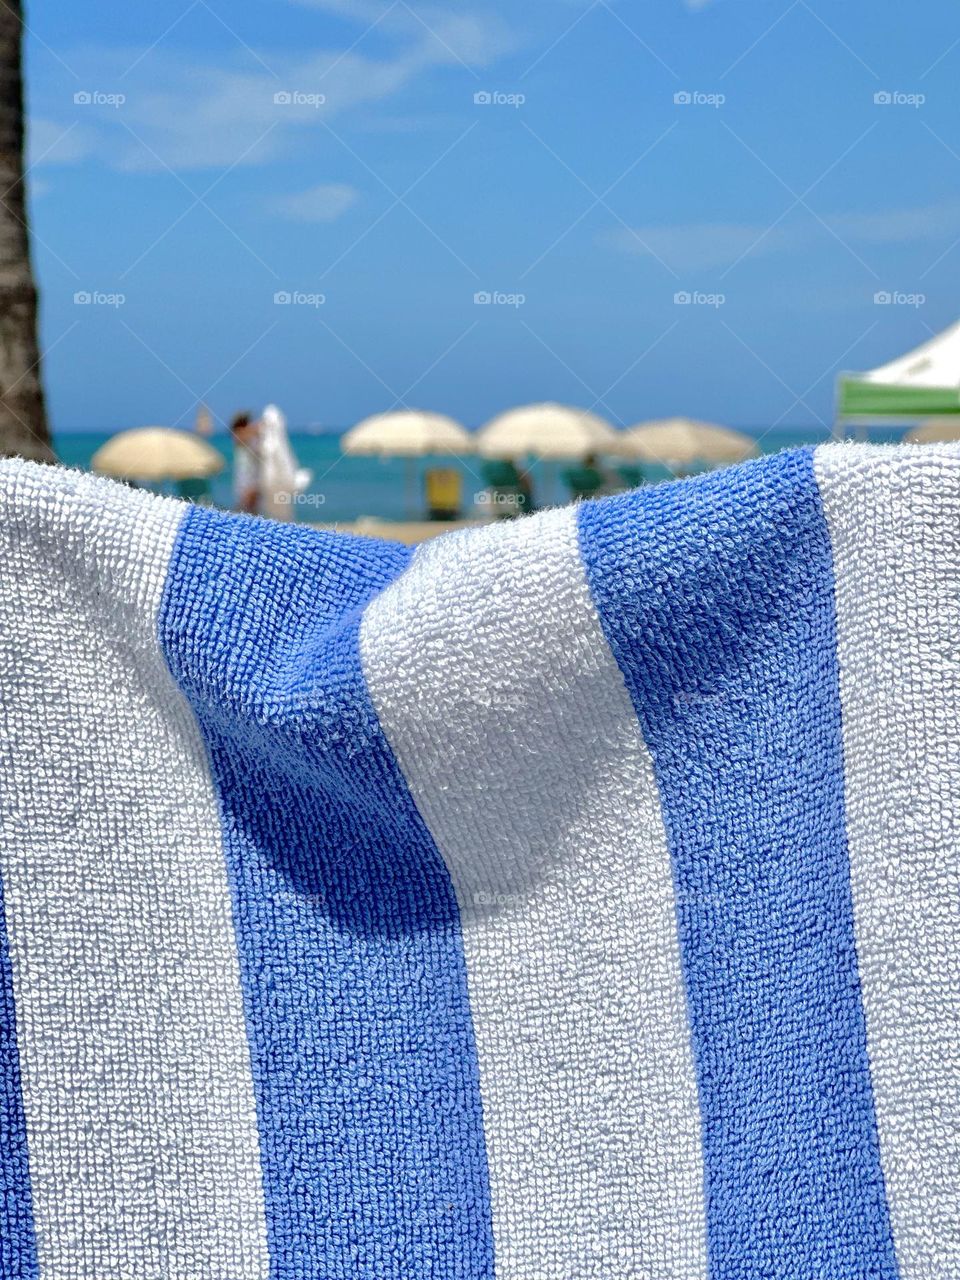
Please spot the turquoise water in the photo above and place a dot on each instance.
(344, 488)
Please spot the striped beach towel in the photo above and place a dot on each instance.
(574, 898)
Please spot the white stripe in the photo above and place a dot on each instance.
(894, 520)
(506, 710)
(141, 1127)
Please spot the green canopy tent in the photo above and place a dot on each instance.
(923, 382)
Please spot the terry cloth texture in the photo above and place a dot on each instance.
(576, 898)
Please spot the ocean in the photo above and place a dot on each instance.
(345, 488)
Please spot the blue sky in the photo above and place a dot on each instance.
(585, 165)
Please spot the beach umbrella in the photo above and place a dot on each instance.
(407, 433)
(548, 431)
(155, 454)
(682, 442)
(934, 431)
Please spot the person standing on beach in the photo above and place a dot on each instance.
(247, 480)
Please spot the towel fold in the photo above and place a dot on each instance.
(574, 898)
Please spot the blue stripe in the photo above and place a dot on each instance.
(716, 596)
(18, 1246)
(351, 957)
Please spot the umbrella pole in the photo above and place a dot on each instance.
(411, 491)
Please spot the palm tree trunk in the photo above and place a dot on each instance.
(23, 419)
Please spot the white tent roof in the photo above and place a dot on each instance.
(935, 363)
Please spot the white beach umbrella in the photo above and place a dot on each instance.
(155, 454)
(548, 431)
(934, 431)
(683, 442)
(407, 433)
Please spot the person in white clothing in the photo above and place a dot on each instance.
(247, 465)
(282, 480)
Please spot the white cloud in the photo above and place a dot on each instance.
(192, 117)
(472, 36)
(252, 107)
(698, 245)
(50, 143)
(704, 245)
(323, 203)
(921, 223)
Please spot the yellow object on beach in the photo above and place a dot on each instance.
(444, 492)
(154, 454)
(683, 442)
